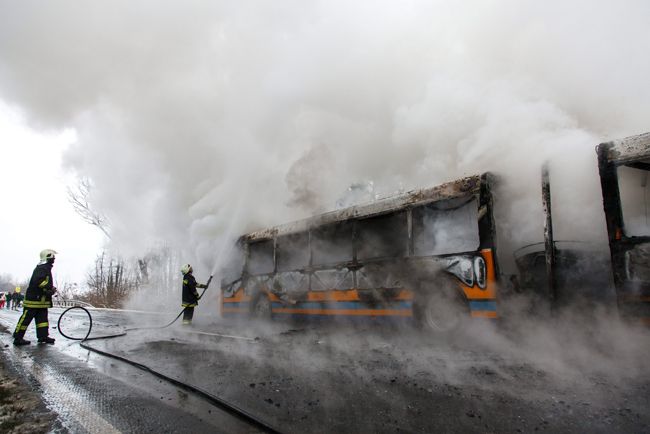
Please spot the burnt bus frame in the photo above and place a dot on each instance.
(479, 187)
(632, 297)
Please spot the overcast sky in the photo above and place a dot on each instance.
(35, 212)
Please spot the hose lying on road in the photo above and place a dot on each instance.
(90, 319)
(215, 400)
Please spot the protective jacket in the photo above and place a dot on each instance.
(41, 287)
(190, 294)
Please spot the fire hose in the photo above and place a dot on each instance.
(215, 400)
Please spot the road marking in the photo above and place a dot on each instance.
(69, 402)
(220, 335)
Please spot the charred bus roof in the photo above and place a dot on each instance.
(464, 187)
(628, 150)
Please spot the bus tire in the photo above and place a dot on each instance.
(260, 307)
(440, 310)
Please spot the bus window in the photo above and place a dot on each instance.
(260, 259)
(440, 231)
(633, 187)
(332, 244)
(232, 269)
(385, 236)
(292, 251)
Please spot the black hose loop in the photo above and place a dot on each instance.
(90, 327)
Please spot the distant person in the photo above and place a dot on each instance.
(17, 298)
(3, 299)
(38, 299)
(190, 294)
(14, 298)
(10, 298)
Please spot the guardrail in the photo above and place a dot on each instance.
(70, 303)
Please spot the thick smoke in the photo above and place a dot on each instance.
(203, 119)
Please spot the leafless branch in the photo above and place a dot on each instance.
(80, 200)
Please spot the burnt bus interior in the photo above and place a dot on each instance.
(624, 167)
(377, 249)
(582, 273)
(562, 273)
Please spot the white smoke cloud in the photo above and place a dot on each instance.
(200, 120)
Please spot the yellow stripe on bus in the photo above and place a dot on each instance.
(356, 312)
(484, 314)
(635, 298)
(234, 310)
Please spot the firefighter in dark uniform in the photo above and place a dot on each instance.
(190, 294)
(38, 298)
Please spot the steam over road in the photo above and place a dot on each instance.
(339, 378)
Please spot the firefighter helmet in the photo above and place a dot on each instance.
(186, 269)
(17, 289)
(47, 254)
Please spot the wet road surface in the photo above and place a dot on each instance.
(315, 378)
(91, 393)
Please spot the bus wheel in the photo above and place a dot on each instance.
(441, 313)
(260, 306)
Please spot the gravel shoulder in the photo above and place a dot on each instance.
(22, 409)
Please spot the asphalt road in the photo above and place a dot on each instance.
(563, 375)
(93, 394)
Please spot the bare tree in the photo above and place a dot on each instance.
(110, 281)
(67, 290)
(80, 200)
(163, 269)
(143, 267)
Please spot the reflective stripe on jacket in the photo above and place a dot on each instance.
(40, 289)
(190, 294)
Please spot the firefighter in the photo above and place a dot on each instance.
(190, 294)
(38, 298)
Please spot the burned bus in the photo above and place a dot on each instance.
(624, 167)
(428, 255)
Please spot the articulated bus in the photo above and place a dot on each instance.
(428, 255)
(624, 171)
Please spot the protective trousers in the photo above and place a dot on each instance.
(42, 326)
(188, 313)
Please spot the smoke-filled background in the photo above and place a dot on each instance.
(199, 120)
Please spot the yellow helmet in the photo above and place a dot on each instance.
(17, 289)
(186, 269)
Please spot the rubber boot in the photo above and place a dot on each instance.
(20, 341)
(46, 340)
